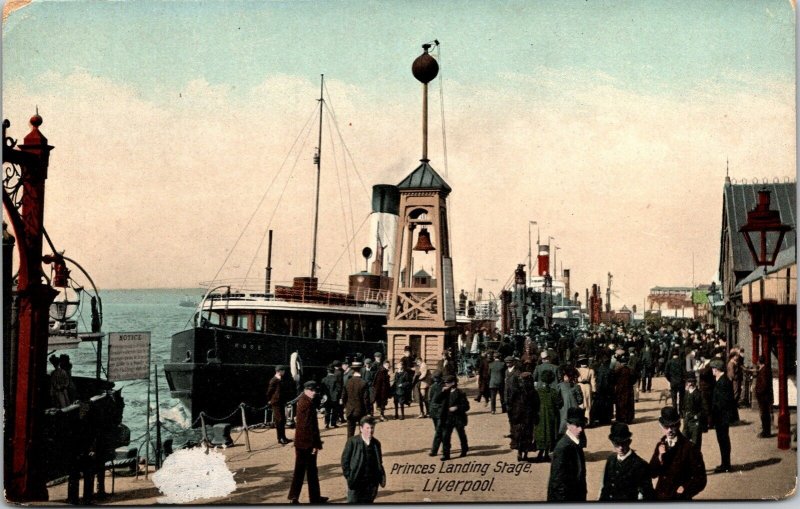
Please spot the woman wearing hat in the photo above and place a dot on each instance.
(626, 476)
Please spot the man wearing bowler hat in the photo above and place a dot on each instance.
(307, 443)
(453, 415)
(724, 413)
(676, 462)
(567, 481)
(626, 476)
(355, 399)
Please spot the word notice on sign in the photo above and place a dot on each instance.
(128, 355)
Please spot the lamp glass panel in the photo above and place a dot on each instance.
(772, 286)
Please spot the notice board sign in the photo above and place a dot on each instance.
(128, 355)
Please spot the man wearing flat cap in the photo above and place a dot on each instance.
(279, 391)
(694, 417)
(355, 399)
(567, 482)
(453, 415)
(307, 443)
(626, 476)
(723, 413)
(676, 463)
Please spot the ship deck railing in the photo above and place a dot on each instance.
(320, 294)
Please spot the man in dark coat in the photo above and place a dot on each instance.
(278, 394)
(624, 381)
(332, 387)
(483, 378)
(453, 416)
(512, 386)
(362, 464)
(676, 463)
(355, 399)
(435, 411)
(626, 476)
(694, 417)
(307, 443)
(764, 397)
(724, 412)
(567, 481)
(674, 374)
(368, 375)
(497, 377)
(647, 363)
(603, 400)
(382, 387)
(705, 384)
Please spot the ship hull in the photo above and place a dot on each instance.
(214, 370)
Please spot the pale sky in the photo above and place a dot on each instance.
(607, 122)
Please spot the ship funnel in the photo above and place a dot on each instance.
(383, 227)
(544, 259)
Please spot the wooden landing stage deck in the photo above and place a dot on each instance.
(489, 472)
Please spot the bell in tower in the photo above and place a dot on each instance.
(423, 314)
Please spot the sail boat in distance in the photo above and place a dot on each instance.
(240, 335)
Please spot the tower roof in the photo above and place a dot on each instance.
(424, 177)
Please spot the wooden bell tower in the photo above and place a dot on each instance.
(423, 312)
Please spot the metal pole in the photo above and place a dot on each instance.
(158, 421)
(424, 122)
(317, 159)
(147, 430)
(529, 252)
(268, 283)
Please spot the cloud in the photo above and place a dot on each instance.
(156, 194)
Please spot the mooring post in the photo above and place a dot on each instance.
(244, 428)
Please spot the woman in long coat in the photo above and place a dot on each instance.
(523, 413)
(547, 426)
(624, 380)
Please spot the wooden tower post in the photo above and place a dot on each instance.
(423, 312)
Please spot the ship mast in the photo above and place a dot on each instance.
(317, 162)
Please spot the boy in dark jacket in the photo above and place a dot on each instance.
(362, 464)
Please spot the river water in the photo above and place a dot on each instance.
(158, 312)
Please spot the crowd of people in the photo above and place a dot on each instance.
(551, 385)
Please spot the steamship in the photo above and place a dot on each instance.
(240, 335)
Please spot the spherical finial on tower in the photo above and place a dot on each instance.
(425, 67)
(36, 120)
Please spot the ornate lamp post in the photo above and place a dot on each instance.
(24, 174)
(766, 226)
(714, 297)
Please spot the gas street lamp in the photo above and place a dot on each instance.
(767, 224)
(774, 315)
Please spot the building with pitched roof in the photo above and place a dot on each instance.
(735, 261)
(760, 301)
